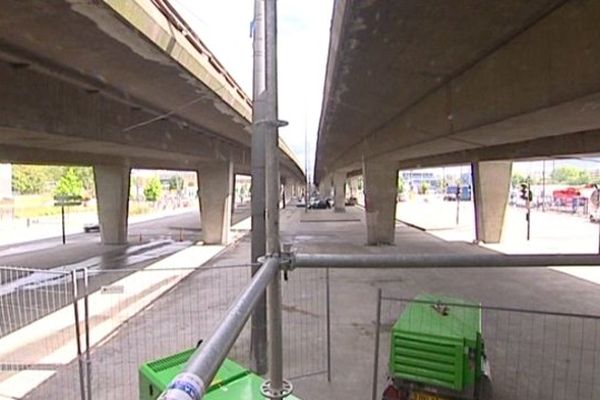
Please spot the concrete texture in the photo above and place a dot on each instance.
(381, 188)
(215, 182)
(491, 186)
(339, 181)
(174, 105)
(353, 305)
(325, 186)
(457, 83)
(112, 191)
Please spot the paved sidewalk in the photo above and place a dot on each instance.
(353, 302)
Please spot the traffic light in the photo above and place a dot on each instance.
(524, 191)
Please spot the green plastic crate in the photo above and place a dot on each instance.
(438, 346)
(231, 382)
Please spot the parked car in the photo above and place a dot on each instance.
(351, 201)
(93, 227)
(320, 204)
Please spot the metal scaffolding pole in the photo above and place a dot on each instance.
(258, 341)
(442, 260)
(207, 359)
(275, 387)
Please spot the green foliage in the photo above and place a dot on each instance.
(27, 179)
(37, 179)
(153, 189)
(176, 183)
(69, 184)
(570, 176)
(423, 188)
(517, 179)
(400, 186)
(86, 176)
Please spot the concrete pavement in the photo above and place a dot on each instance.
(49, 342)
(353, 301)
(551, 232)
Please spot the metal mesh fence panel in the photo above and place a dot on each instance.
(146, 328)
(532, 354)
(37, 333)
(305, 351)
(127, 318)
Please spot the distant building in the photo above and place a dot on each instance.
(414, 179)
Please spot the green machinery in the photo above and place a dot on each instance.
(437, 352)
(231, 382)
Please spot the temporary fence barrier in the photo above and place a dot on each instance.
(128, 317)
(532, 354)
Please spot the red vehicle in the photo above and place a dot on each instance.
(566, 196)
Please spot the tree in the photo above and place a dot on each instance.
(69, 184)
(517, 179)
(153, 189)
(570, 175)
(423, 188)
(176, 183)
(400, 185)
(27, 179)
(86, 176)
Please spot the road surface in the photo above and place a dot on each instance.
(149, 241)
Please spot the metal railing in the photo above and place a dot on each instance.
(129, 317)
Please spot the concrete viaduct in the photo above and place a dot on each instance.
(414, 84)
(120, 85)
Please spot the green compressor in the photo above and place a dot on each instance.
(437, 352)
(232, 381)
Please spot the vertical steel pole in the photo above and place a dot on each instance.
(544, 186)
(376, 355)
(86, 316)
(62, 213)
(528, 205)
(458, 204)
(74, 293)
(328, 308)
(275, 385)
(258, 341)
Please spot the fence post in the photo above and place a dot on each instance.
(376, 354)
(86, 316)
(78, 334)
(328, 308)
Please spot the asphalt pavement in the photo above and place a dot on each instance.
(149, 241)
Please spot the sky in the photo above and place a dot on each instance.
(303, 42)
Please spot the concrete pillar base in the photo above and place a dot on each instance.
(215, 182)
(381, 182)
(491, 184)
(112, 193)
(339, 181)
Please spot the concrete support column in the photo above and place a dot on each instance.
(339, 182)
(491, 182)
(215, 182)
(381, 181)
(325, 186)
(112, 194)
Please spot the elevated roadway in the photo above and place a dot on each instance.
(428, 83)
(120, 85)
